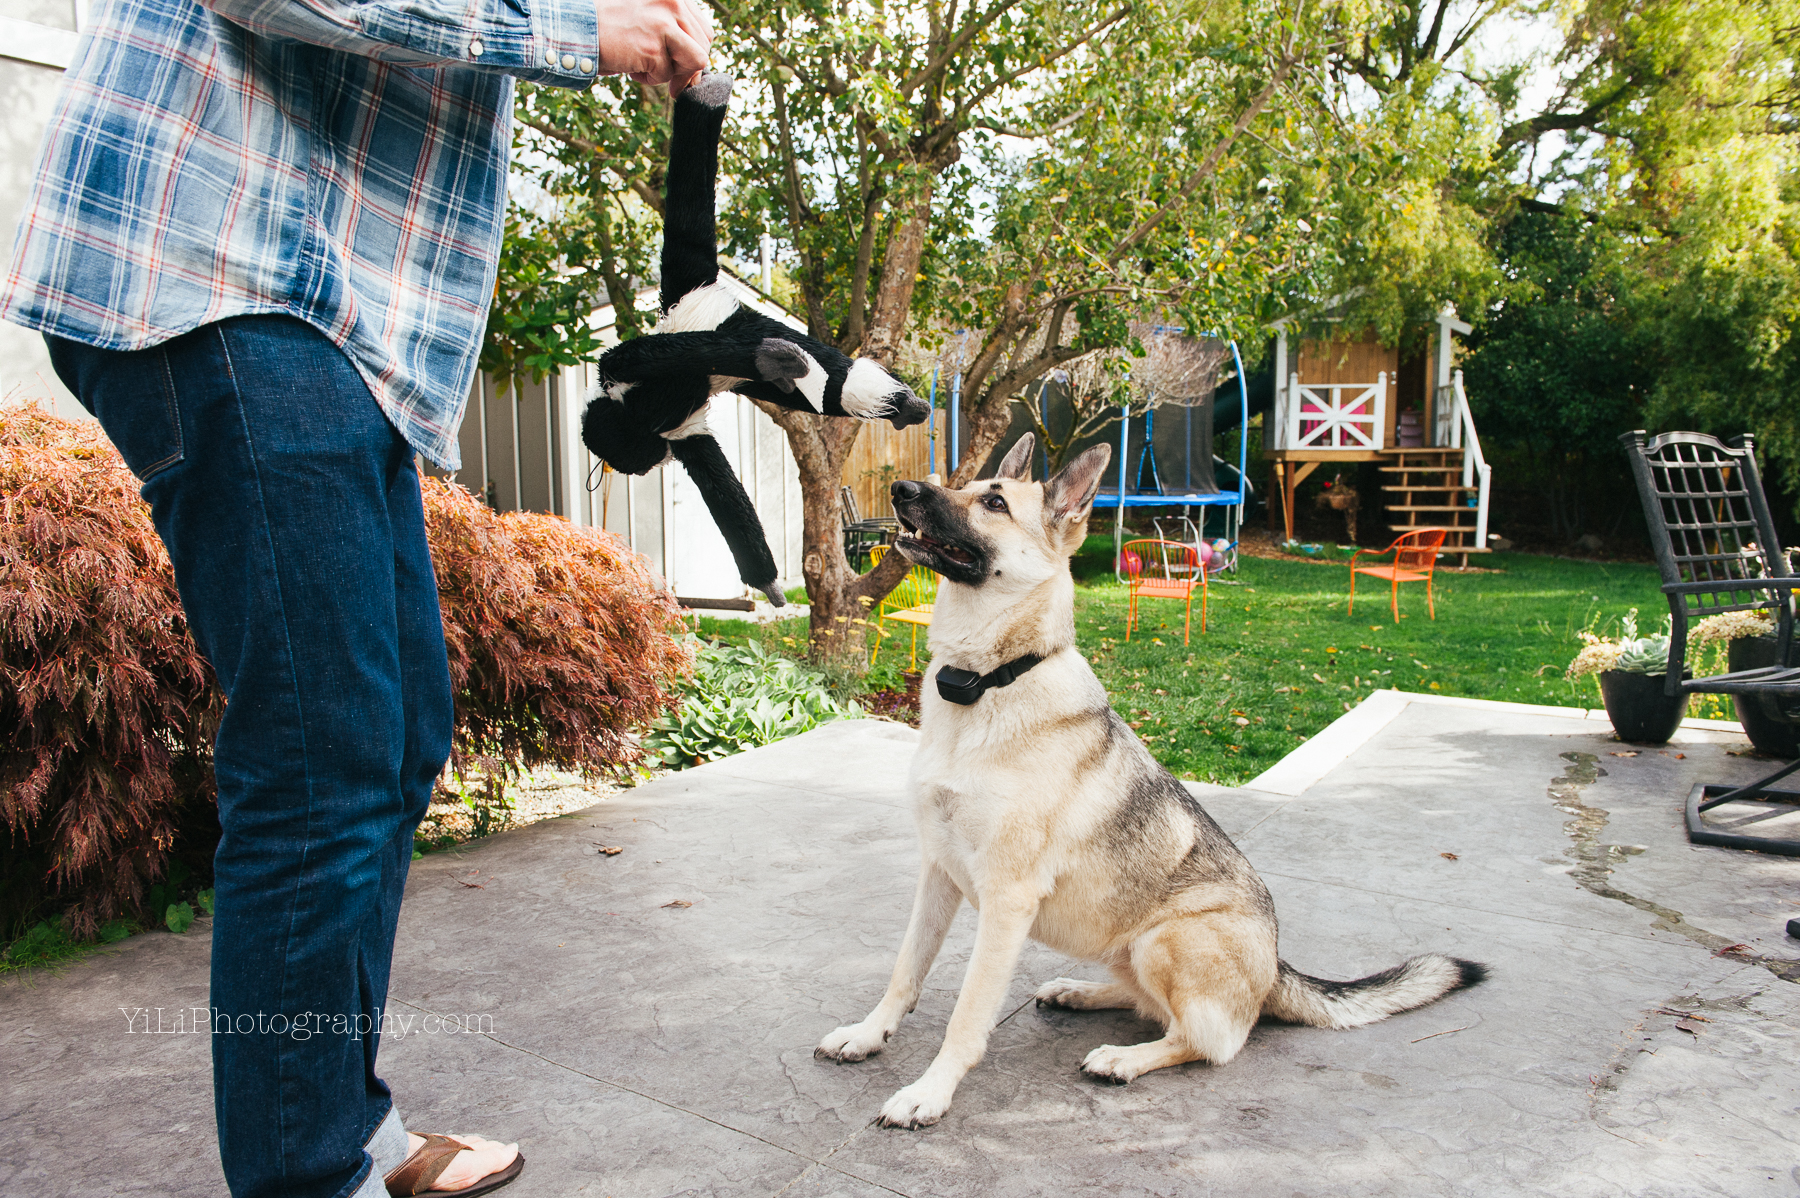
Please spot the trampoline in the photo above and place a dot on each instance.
(1176, 454)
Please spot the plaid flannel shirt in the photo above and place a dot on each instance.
(340, 161)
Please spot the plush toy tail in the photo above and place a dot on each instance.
(731, 511)
(690, 257)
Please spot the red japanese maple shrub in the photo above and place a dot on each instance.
(106, 708)
(561, 643)
(561, 639)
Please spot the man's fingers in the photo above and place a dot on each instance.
(694, 22)
(687, 57)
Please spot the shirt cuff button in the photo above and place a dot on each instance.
(549, 58)
(587, 66)
(475, 48)
(568, 62)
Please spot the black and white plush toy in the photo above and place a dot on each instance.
(655, 389)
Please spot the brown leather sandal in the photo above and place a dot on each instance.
(415, 1175)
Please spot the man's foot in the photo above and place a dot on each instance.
(483, 1159)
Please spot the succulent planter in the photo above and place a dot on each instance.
(1769, 734)
(1638, 708)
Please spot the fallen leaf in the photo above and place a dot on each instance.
(1682, 1014)
(610, 850)
(1241, 722)
(1681, 756)
(1631, 753)
(1448, 856)
(1317, 678)
(677, 903)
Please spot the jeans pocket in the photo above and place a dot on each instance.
(133, 395)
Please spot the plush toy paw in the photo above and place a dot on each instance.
(781, 362)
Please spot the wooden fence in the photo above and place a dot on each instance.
(883, 455)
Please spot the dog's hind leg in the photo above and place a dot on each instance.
(934, 906)
(1204, 974)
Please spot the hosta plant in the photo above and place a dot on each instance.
(740, 697)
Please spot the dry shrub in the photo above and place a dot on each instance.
(106, 708)
(561, 639)
(561, 642)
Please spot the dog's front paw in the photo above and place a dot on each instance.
(918, 1105)
(857, 1042)
(1111, 1063)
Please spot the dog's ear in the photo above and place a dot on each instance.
(1069, 496)
(1017, 462)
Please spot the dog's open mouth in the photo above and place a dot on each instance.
(919, 540)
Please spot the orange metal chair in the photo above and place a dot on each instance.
(1164, 570)
(910, 603)
(1415, 557)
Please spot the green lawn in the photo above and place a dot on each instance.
(1281, 658)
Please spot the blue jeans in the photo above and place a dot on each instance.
(291, 511)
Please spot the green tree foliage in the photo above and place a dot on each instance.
(1566, 362)
(1667, 294)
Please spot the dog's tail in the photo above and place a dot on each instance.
(1298, 998)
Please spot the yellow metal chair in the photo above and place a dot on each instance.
(910, 603)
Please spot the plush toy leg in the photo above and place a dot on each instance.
(690, 256)
(731, 511)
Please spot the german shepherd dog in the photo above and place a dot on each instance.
(1037, 804)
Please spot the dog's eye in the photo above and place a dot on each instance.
(993, 503)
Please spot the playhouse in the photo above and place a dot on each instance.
(1344, 398)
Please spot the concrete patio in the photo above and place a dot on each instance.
(1638, 1036)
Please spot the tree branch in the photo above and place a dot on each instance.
(957, 44)
(1547, 122)
(1118, 15)
(644, 191)
(1208, 165)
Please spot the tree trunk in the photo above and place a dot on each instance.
(991, 421)
(899, 271)
(820, 445)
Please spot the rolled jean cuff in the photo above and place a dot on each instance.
(387, 1148)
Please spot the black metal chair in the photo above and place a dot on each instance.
(861, 535)
(1717, 550)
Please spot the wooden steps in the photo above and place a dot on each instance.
(1423, 488)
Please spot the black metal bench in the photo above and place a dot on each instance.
(1717, 550)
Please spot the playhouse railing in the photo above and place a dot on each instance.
(1334, 415)
(1475, 470)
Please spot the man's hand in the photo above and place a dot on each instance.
(653, 41)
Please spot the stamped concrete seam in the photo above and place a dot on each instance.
(1591, 871)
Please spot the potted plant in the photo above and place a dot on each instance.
(1750, 644)
(1633, 672)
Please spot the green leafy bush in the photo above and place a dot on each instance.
(740, 697)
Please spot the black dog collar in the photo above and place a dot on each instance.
(966, 686)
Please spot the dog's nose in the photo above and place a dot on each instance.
(902, 492)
